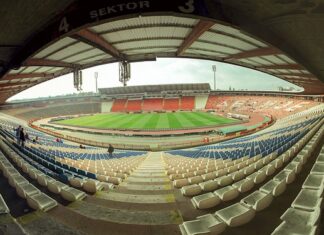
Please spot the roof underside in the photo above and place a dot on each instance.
(283, 38)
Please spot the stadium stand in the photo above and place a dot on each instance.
(119, 105)
(134, 105)
(295, 153)
(187, 103)
(153, 104)
(171, 104)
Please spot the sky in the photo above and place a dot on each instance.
(161, 71)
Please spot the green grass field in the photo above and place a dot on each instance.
(148, 120)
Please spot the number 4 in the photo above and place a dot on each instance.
(189, 7)
(64, 26)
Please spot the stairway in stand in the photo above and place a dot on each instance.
(144, 203)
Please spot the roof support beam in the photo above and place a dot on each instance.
(26, 75)
(256, 52)
(10, 84)
(281, 66)
(50, 63)
(303, 75)
(97, 41)
(201, 27)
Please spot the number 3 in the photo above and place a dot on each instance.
(189, 7)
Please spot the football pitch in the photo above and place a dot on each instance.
(144, 121)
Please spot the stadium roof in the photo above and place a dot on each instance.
(40, 41)
(155, 88)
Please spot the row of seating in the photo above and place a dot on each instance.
(35, 198)
(212, 169)
(244, 211)
(153, 104)
(303, 216)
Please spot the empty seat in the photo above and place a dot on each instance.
(258, 177)
(41, 202)
(195, 180)
(206, 200)
(294, 166)
(3, 206)
(236, 214)
(209, 176)
(16, 179)
(285, 228)
(209, 185)
(191, 190)
(236, 176)
(43, 179)
(244, 185)
(55, 186)
(180, 183)
(318, 168)
(300, 218)
(308, 199)
(72, 194)
(24, 190)
(275, 187)
(205, 224)
(314, 181)
(227, 193)
(224, 180)
(258, 200)
(92, 186)
(288, 176)
(76, 182)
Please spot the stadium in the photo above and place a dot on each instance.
(188, 158)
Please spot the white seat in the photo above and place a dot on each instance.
(204, 225)
(299, 217)
(227, 193)
(43, 179)
(269, 169)
(278, 163)
(275, 187)
(41, 202)
(33, 173)
(3, 206)
(236, 214)
(195, 180)
(288, 176)
(236, 176)
(318, 168)
(209, 176)
(258, 177)
(92, 186)
(180, 183)
(244, 185)
(308, 199)
(191, 190)
(24, 190)
(294, 166)
(206, 200)
(285, 228)
(56, 186)
(76, 182)
(16, 179)
(209, 185)
(314, 181)
(72, 194)
(320, 158)
(224, 180)
(258, 200)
